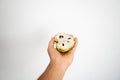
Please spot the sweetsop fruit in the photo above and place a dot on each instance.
(64, 42)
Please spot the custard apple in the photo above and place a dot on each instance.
(64, 42)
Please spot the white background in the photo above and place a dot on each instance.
(26, 26)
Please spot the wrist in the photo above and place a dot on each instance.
(58, 65)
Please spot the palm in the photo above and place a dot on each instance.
(56, 56)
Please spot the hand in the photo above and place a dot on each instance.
(57, 58)
(58, 62)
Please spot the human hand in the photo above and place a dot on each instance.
(58, 62)
(57, 58)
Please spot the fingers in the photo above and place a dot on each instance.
(51, 43)
(76, 42)
(51, 46)
(74, 48)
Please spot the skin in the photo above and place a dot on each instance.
(58, 63)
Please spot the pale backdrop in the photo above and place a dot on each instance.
(26, 26)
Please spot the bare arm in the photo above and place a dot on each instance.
(53, 72)
(58, 63)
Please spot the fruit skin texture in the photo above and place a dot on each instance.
(64, 42)
(63, 50)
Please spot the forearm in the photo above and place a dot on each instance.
(53, 72)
